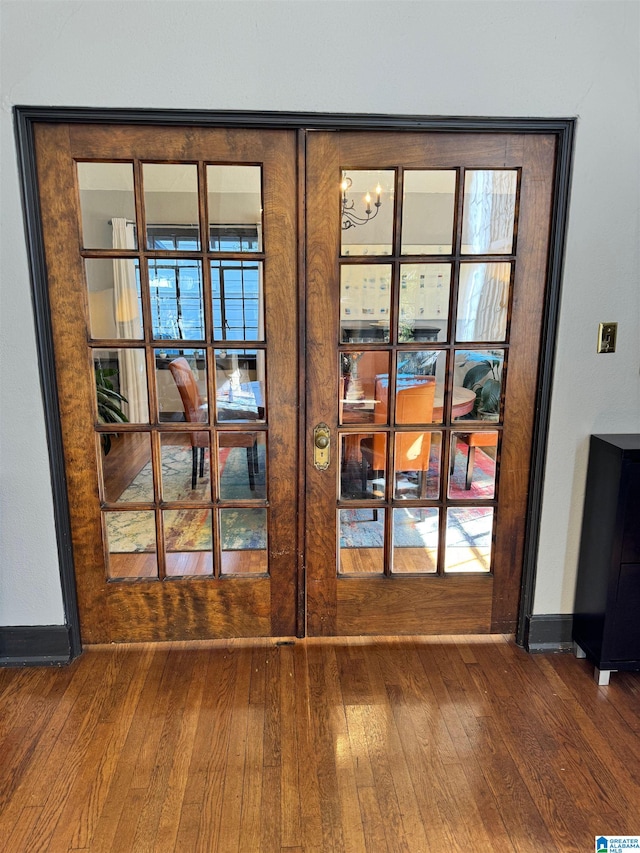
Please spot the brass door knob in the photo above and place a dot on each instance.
(322, 441)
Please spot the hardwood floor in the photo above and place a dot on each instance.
(412, 744)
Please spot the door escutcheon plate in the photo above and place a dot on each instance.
(321, 446)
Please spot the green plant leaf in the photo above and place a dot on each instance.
(490, 395)
(476, 374)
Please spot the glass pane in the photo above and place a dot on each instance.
(419, 386)
(121, 386)
(415, 539)
(417, 464)
(243, 541)
(185, 466)
(367, 212)
(468, 541)
(187, 542)
(427, 212)
(472, 472)
(235, 208)
(115, 304)
(131, 544)
(477, 387)
(359, 372)
(175, 290)
(489, 212)
(365, 303)
(424, 302)
(242, 465)
(127, 474)
(483, 302)
(363, 462)
(181, 383)
(171, 206)
(361, 541)
(240, 385)
(238, 301)
(107, 204)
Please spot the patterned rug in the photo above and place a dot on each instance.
(418, 527)
(190, 529)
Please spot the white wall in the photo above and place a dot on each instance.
(545, 59)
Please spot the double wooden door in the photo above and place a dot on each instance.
(263, 439)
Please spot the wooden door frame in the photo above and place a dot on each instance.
(26, 117)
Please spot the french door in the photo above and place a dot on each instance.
(427, 257)
(172, 269)
(196, 440)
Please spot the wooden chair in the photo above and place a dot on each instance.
(472, 440)
(195, 411)
(414, 405)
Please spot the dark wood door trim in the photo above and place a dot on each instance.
(26, 117)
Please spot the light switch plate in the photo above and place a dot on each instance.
(607, 334)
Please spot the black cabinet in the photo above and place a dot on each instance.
(606, 624)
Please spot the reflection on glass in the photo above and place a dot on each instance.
(427, 212)
(243, 541)
(115, 303)
(127, 473)
(171, 206)
(235, 208)
(359, 371)
(238, 307)
(489, 212)
(361, 541)
(424, 302)
(477, 385)
(181, 385)
(419, 386)
(483, 302)
(365, 302)
(107, 204)
(415, 540)
(185, 462)
(468, 539)
(472, 472)
(131, 544)
(363, 466)
(242, 465)
(417, 464)
(187, 542)
(175, 290)
(240, 385)
(361, 191)
(121, 386)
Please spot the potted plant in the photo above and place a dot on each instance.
(484, 378)
(109, 411)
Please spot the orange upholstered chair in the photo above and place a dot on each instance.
(414, 405)
(196, 412)
(472, 440)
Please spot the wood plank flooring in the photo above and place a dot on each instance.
(393, 744)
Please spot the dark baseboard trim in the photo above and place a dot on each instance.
(549, 633)
(35, 645)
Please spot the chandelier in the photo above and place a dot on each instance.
(349, 216)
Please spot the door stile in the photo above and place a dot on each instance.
(301, 424)
(527, 310)
(322, 396)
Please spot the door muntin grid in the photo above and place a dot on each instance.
(439, 486)
(151, 308)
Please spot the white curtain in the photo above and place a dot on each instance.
(490, 209)
(131, 363)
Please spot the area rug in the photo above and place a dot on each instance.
(190, 529)
(482, 483)
(416, 527)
